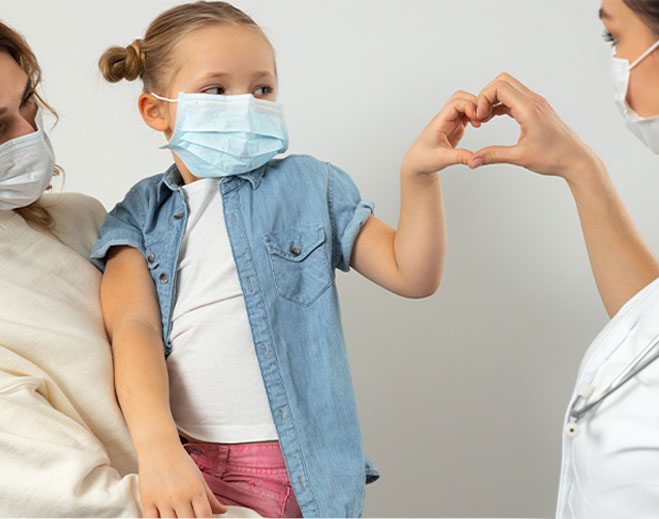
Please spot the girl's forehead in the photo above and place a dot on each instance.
(225, 49)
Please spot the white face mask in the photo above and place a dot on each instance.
(645, 128)
(26, 167)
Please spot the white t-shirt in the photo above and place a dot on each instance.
(216, 389)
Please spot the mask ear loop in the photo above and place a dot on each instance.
(172, 100)
(645, 55)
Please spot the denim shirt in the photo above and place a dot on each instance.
(291, 224)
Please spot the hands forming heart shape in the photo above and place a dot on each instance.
(546, 144)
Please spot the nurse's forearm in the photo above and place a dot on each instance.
(621, 260)
(420, 239)
(142, 387)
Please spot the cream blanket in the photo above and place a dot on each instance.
(64, 446)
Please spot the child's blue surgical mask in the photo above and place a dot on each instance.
(222, 135)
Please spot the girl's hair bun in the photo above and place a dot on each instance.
(119, 63)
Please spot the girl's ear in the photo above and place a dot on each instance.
(152, 112)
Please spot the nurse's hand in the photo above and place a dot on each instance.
(435, 148)
(546, 144)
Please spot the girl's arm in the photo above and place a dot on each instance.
(409, 260)
(170, 482)
(621, 260)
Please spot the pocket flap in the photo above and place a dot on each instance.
(294, 245)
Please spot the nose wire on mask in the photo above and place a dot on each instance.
(222, 135)
(26, 167)
(645, 128)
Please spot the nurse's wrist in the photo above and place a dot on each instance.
(587, 175)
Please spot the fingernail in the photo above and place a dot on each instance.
(476, 163)
(478, 112)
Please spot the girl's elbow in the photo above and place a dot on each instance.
(424, 291)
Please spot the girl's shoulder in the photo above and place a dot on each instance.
(300, 167)
(148, 190)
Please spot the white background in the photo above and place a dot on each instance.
(461, 395)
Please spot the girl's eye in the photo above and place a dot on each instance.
(608, 37)
(263, 91)
(217, 90)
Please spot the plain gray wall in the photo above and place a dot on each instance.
(461, 395)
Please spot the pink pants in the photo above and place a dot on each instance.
(252, 475)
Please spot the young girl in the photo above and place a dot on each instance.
(219, 288)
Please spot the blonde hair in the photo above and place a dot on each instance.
(151, 58)
(15, 45)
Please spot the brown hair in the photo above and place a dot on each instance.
(150, 58)
(15, 45)
(648, 10)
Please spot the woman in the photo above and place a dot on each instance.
(611, 443)
(64, 447)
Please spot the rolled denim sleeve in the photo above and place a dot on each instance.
(123, 226)
(348, 212)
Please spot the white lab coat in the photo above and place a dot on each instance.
(611, 467)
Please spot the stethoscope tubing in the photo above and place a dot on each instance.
(632, 369)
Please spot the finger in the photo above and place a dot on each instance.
(456, 108)
(184, 509)
(166, 511)
(150, 510)
(216, 506)
(496, 111)
(496, 155)
(465, 96)
(459, 156)
(201, 507)
(521, 87)
(501, 92)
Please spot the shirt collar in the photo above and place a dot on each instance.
(172, 178)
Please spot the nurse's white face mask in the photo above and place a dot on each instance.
(26, 167)
(645, 128)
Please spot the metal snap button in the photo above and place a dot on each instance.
(178, 215)
(572, 430)
(164, 278)
(151, 257)
(295, 251)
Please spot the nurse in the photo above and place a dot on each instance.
(611, 434)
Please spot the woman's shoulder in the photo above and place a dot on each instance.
(78, 219)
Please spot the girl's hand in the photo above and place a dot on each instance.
(171, 485)
(546, 144)
(435, 148)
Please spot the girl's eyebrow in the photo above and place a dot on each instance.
(4, 109)
(218, 75)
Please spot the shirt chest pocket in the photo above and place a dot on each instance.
(300, 266)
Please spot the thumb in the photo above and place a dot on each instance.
(458, 156)
(495, 155)
(216, 506)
